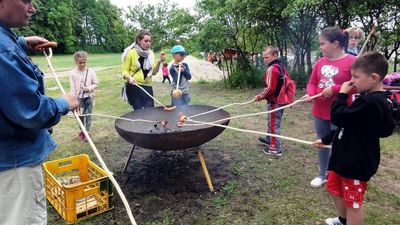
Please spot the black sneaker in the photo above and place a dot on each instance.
(263, 141)
(270, 151)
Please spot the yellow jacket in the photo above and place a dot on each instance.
(129, 67)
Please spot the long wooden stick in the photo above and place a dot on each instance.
(261, 113)
(255, 132)
(373, 30)
(103, 165)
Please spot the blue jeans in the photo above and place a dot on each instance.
(274, 126)
(183, 100)
(323, 127)
(85, 107)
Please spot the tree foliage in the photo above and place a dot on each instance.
(94, 25)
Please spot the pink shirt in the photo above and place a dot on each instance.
(165, 71)
(328, 73)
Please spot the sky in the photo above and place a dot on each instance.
(125, 3)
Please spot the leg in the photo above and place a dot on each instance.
(278, 118)
(22, 196)
(340, 206)
(205, 171)
(88, 110)
(129, 159)
(323, 127)
(355, 216)
(186, 98)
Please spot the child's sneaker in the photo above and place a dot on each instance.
(271, 151)
(263, 141)
(333, 221)
(318, 182)
(81, 136)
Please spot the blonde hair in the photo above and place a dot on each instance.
(272, 50)
(355, 31)
(80, 54)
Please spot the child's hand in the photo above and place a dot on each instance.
(306, 98)
(162, 57)
(318, 144)
(327, 92)
(85, 89)
(181, 67)
(346, 87)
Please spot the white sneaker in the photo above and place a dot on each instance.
(317, 182)
(333, 221)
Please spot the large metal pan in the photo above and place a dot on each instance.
(143, 133)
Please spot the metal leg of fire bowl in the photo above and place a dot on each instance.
(205, 171)
(129, 159)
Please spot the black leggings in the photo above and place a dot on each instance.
(166, 78)
(137, 98)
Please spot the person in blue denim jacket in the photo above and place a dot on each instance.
(26, 113)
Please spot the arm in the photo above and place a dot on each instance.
(72, 84)
(94, 81)
(313, 82)
(157, 66)
(186, 72)
(342, 114)
(271, 81)
(21, 101)
(327, 139)
(173, 73)
(126, 65)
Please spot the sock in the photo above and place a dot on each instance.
(343, 220)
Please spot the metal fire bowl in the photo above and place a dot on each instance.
(138, 133)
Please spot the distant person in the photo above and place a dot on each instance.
(83, 82)
(274, 78)
(355, 35)
(26, 114)
(179, 53)
(211, 56)
(327, 76)
(355, 146)
(165, 73)
(138, 67)
(219, 60)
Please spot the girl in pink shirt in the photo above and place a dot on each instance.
(327, 76)
(165, 73)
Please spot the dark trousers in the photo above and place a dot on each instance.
(166, 78)
(137, 98)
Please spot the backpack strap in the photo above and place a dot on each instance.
(281, 78)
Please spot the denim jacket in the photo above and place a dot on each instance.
(25, 111)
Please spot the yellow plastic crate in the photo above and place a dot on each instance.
(77, 188)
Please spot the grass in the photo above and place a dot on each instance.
(66, 62)
(256, 190)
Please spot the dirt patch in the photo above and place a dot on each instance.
(388, 176)
(200, 69)
(162, 181)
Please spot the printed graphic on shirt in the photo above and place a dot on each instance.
(328, 72)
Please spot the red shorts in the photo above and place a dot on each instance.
(352, 191)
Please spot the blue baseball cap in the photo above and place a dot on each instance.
(178, 49)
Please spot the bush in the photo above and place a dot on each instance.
(301, 78)
(245, 76)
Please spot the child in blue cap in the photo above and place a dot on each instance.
(180, 95)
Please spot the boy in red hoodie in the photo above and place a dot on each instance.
(274, 78)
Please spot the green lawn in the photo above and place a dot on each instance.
(252, 188)
(66, 62)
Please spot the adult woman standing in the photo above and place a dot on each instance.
(138, 67)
